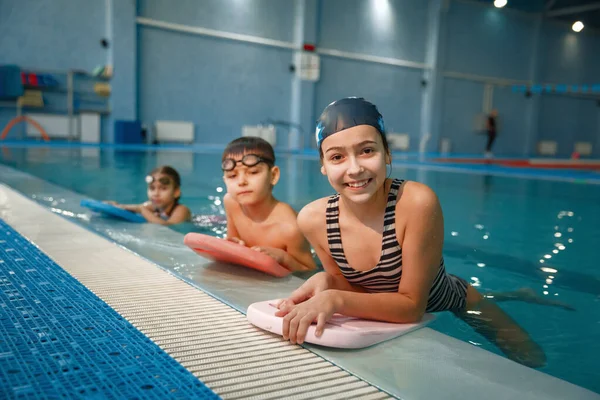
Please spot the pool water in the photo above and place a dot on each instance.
(502, 233)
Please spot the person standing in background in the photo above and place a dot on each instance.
(491, 128)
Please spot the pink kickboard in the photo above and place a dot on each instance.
(222, 250)
(340, 331)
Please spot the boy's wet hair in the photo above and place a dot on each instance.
(249, 145)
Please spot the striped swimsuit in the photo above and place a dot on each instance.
(448, 292)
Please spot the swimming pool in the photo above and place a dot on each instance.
(498, 230)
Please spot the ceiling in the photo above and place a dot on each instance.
(569, 11)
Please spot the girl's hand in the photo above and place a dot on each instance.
(114, 203)
(316, 284)
(319, 308)
(136, 208)
(147, 213)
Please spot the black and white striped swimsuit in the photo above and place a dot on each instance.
(448, 292)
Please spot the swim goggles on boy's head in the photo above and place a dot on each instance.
(249, 160)
(163, 180)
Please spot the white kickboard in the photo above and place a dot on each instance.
(340, 331)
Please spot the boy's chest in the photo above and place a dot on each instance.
(260, 234)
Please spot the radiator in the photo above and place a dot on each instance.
(398, 141)
(56, 126)
(174, 131)
(547, 147)
(583, 148)
(266, 132)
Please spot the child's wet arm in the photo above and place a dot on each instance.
(231, 229)
(151, 217)
(387, 307)
(136, 208)
(298, 255)
(180, 214)
(293, 264)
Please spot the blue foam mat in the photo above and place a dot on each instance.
(112, 211)
(59, 340)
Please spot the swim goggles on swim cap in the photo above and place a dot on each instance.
(347, 113)
(249, 160)
(164, 180)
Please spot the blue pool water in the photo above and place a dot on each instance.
(502, 233)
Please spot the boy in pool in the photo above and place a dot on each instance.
(255, 218)
(164, 192)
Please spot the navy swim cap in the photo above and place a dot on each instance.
(347, 113)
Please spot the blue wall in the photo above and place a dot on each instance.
(220, 85)
(124, 52)
(488, 41)
(395, 91)
(57, 36)
(265, 18)
(381, 28)
(479, 40)
(396, 31)
(223, 84)
(50, 35)
(513, 130)
(461, 103)
(569, 58)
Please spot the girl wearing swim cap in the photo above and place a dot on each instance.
(380, 242)
(164, 192)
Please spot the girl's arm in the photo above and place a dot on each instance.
(136, 208)
(179, 215)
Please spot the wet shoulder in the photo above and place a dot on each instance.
(229, 203)
(312, 216)
(416, 196)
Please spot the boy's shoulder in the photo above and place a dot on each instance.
(283, 213)
(282, 206)
(229, 202)
(283, 217)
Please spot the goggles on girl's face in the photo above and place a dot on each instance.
(163, 180)
(249, 160)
